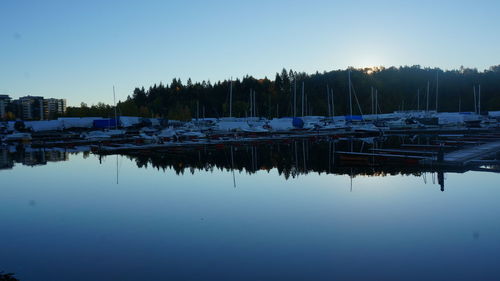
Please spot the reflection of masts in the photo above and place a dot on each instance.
(329, 157)
(296, 157)
(232, 167)
(256, 160)
(333, 153)
(304, 155)
(350, 176)
(253, 152)
(116, 168)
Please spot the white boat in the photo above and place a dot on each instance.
(17, 137)
(254, 128)
(167, 133)
(193, 135)
(98, 135)
(334, 126)
(365, 128)
(150, 138)
(147, 130)
(403, 123)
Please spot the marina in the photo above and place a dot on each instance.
(158, 185)
(249, 140)
(446, 144)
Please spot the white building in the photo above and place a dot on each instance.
(54, 107)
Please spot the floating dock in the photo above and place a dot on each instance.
(467, 156)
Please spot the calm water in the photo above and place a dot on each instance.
(281, 214)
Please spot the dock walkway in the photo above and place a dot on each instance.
(469, 155)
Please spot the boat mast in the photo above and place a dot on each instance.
(333, 103)
(475, 102)
(231, 98)
(302, 98)
(479, 101)
(371, 94)
(251, 108)
(350, 94)
(250, 112)
(418, 99)
(294, 96)
(427, 106)
(254, 104)
(437, 90)
(328, 100)
(114, 103)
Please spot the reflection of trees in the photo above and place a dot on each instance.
(290, 159)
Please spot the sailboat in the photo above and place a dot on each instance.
(107, 133)
(356, 122)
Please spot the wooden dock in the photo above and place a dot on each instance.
(403, 151)
(469, 155)
(378, 158)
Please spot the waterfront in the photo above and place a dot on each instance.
(191, 217)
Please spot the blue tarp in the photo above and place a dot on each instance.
(297, 122)
(105, 123)
(354, 118)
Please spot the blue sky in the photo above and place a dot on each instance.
(79, 49)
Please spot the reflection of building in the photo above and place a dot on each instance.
(41, 157)
(53, 108)
(56, 156)
(4, 105)
(5, 161)
(30, 157)
(33, 158)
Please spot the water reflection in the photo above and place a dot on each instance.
(27, 156)
(290, 158)
(69, 221)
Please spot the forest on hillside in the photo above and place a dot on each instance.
(396, 88)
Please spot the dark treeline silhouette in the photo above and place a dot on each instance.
(397, 90)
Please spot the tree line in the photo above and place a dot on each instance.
(327, 93)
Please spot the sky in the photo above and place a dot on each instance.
(79, 49)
